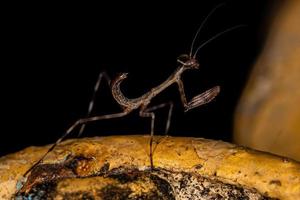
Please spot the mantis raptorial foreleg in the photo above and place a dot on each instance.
(198, 100)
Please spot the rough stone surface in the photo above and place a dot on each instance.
(119, 165)
(134, 184)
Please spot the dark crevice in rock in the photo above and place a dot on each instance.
(104, 169)
(163, 186)
(124, 175)
(111, 192)
(122, 183)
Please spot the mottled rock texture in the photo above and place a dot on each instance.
(117, 167)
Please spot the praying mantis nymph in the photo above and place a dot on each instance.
(186, 62)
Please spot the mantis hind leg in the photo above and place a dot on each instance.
(101, 76)
(75, 125)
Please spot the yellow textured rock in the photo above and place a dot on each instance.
(268, 115)
(269, 175)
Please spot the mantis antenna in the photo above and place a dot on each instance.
(216, 36)
(202, 24)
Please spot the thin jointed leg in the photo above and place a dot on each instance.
(198, 100)
(92, 102)
(69, 130)
(168, 122)
(152, 115)
(203, 98)
(149, 113)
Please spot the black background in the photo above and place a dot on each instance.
(54, 53)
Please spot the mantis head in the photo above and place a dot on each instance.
(188, 62)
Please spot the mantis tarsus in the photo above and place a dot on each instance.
(186, 62)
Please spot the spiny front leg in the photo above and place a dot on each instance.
(203, 98)
(199, 99)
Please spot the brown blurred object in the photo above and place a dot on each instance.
(268, 115)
